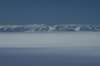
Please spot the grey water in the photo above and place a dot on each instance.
(50, 49)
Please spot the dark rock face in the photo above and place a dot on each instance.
(44, 29)
(34, 28)
(57, 28)
(85, 29)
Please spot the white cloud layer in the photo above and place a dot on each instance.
(50, 39)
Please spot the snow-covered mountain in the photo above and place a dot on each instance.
(52, 28)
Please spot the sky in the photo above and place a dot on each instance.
(50, 12)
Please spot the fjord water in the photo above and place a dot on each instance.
(50, 49)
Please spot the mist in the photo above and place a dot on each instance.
(56, 39)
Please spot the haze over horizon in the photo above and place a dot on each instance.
(50, 12)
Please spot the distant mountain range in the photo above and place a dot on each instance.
(49, 28)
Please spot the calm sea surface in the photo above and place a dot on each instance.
(50, 49)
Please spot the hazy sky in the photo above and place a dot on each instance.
(49, 12)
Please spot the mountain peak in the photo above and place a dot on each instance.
(52, 28)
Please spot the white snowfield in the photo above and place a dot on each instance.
(49, 28)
